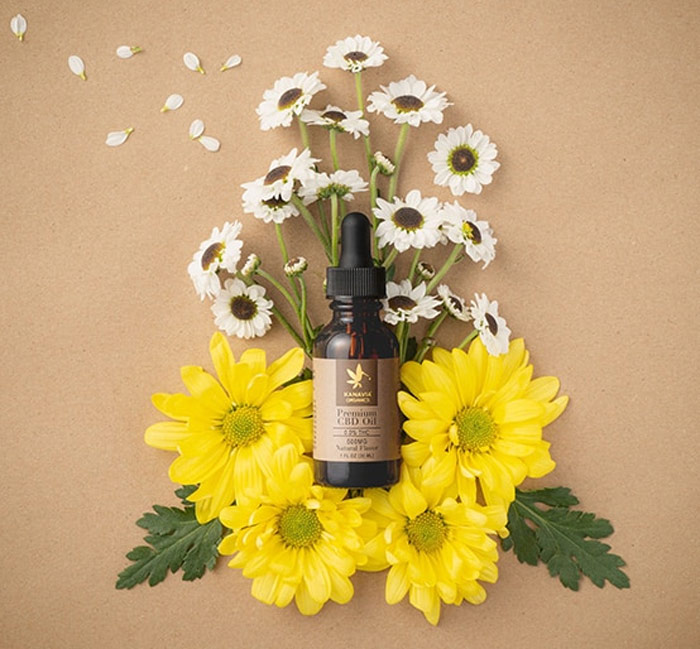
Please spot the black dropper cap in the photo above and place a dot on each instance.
(355, 275)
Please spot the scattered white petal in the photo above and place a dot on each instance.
(115, 138)
(196, 129)
(231, 62)
(191, 60)
(77, 67)
(173, 102)
(126, 51)
(18, 25)
(209, 143)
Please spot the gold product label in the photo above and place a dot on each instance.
(356, 418)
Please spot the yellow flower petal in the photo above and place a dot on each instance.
(265, 588)
(411, 377)
(286, 367)
(441, 405)
(554, 409)
(166, 435)
(248, 479)
(306, 604)
(543, 388)
(397, 583)
(255, 358)
(205, 387)
(341, 588)
(222, 357)
(425, 599)
(298, 395)
(467, 382)
(518, 410)
(436, 379)
(412, 408)
(317, 578)
(177, 406)
(257, 390)
(414, 502)
(275, 408)
(540, 463)
(191, 470)
(423, 429)
(415, 453)
(443, 358)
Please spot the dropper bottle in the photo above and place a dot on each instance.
(356, 372)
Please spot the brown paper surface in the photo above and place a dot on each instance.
(594, 108)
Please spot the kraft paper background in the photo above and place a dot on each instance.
(594, 108)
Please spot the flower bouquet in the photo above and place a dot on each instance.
(472, 416)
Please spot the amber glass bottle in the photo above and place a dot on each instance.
(356, 366)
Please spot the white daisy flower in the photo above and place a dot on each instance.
(231, 62)
(404, 303)
(492, 328)
(288, 97)
(115, 138)
(126, 51)
(386, 166)
(409, 101)
(241, 310)
(173, 102)
(295, 266)
(455, 305)
(252, 263)
(463, 160)
(425, 270)
(461, 226)
(77, 66)
(221, 251)
(411, 223)
(337, 119)
(283, 173)
(257, 201)
(320, 186)
(191, 61)
(18, 25)
(354, 54)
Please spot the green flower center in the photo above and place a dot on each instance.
(463, 160)
(407, 218)
(288, 98)
(211, 254)
(333, 188)
(355, 57)
(243, 308)
(476, 428)
(407, 103)
(427, 531)
(471, 232)
(299, 526)
(401, 302)
(278, 173)
(242, 426)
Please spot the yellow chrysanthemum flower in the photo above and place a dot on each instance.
(478, 417)
(437, 547)
(297, 540)
(226, 433)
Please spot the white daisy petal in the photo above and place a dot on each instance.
(115, 138)
(462, 226)
(18, 25)
(196, 129)
(221, 251)
(409, 101)
(126, 51)
(355, 54)
(411, 223)
(173, 102)
(492, 328)
(191, 61)
(231, 62)
(209, 143)
(404, 303)
(287, 98)
(77, 67)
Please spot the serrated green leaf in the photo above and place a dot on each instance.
(184, 492)
(564, 539)
(176, 540)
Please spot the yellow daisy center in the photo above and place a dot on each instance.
(299, 526)
(475, 428)
(242, 426)
(427, 531)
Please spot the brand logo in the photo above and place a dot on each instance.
(357, 376)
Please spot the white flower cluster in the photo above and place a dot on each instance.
(239, 309)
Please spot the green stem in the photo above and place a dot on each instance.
(414, 264)
(285, 293)
(467, 339)
(303, 315)
(334, 150)
(429, 334)
(400, 145)
(361, 106)
(285, 256)
(399, 332)
(304, 134)
(335, 229)
(390, 258)
(445, 267)
(324, 220)
(290, 329)
(311, 222)
(373, 191)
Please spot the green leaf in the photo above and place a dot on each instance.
(411, 348)
(564, 539)
(184, 492)
(390, 272)
(176, 540)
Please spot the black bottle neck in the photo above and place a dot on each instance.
(355, 308)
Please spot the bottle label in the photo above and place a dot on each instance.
(356, 418)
